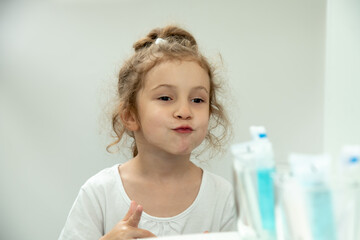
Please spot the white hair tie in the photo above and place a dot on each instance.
(160, 41)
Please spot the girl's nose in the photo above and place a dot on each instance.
(183, 112)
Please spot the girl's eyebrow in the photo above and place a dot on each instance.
(163, 85)
(174, 87)
(201, 88)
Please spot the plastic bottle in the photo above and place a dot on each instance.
(245, 187)
(348, 178)
(312, 174)
(265, 168)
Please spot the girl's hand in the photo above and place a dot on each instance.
(128, 227)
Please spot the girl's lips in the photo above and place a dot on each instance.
(184, 129)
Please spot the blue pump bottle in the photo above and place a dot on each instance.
(265, 168)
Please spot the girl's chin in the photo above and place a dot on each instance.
(181, 151)
(185, 151)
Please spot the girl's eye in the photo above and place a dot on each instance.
(164, 98)
(198, 100)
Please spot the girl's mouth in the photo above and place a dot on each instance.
(183, 129)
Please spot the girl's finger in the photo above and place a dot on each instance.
(131, 210)
(135, 218)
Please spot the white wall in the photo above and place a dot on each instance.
(59, 57)
(342, 95)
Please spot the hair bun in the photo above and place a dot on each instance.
(170, 33)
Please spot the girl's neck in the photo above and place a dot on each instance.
(163, 167)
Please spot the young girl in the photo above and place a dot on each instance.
(168, 105)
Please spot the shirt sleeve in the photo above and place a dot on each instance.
(85, 220)
(229, 218)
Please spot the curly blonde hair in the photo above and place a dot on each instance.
(179, 45)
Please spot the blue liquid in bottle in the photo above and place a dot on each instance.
(266, 199)
(321, 213)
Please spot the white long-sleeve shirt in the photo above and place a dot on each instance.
(102, 202)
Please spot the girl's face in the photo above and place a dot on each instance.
(173, 108)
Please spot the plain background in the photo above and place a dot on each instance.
(292, 66)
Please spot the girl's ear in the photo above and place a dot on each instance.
(129, 120)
